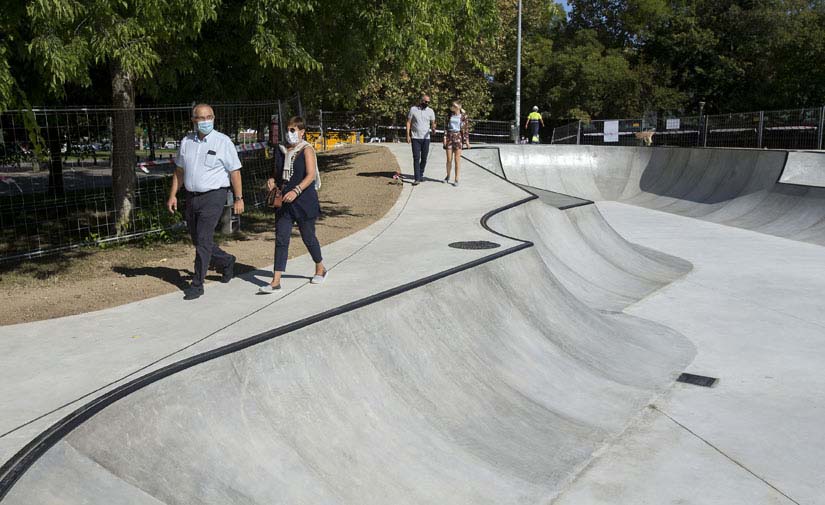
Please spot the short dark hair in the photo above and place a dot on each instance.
(297, 121)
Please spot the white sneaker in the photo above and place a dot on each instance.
(269, 289)
(319, 279)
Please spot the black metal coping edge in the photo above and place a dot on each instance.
(18, 464)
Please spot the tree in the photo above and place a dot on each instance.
(70, 38)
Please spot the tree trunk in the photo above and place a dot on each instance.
(123, 145)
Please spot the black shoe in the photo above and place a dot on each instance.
(229, 271)
(192, 293)
(415, 183)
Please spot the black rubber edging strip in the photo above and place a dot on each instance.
(15, 467)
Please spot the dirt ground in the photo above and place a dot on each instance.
(357, 190)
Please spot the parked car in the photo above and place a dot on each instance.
(170, 144)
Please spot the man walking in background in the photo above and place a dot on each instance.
(420, 124)
(533, 121)
(207, 163)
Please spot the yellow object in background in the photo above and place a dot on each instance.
(334, 139)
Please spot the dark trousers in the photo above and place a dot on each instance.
(283, 230)
(420, 149)
(203, 212)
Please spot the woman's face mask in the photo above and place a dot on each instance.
(293, 136)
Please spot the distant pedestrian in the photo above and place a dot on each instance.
(207, 165)
(533, 121)
(420, 124)
(456, 138)
(296, 173)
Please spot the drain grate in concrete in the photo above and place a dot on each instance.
(474, 244)
(697, 380)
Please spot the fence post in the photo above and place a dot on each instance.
(705, 135)
(323, 135)
(579, 133)
(280, 121)
(761, 129)
(821, 126)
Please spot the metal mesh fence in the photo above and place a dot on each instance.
(784, 129)
(56, 175)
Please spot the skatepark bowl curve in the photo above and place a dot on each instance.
(542, 370)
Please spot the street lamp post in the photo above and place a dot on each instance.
(518, 79)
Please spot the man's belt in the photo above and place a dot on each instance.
(196, 193)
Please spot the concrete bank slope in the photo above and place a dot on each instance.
(735, 187)
(588, 257)
(494, 385)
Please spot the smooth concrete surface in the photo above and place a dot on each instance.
(804, 168)
(468, 390)
(753, 306)
(735, 187)
(588, 257)
(544, 376)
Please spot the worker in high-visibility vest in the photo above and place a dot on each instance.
(532, 125)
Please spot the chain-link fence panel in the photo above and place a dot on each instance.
(57, 172)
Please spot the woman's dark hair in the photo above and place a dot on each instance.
(297, 122)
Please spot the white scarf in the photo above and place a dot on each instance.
(289, 159)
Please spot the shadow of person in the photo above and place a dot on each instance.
(177, 277)
(258, 276)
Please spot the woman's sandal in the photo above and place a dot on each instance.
(319, 279)
(269, 289)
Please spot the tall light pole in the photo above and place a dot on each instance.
(518, 78)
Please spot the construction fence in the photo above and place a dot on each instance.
(784, 129)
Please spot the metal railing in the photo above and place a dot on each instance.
(56, 176)
(783, 129)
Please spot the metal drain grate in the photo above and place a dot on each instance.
(474, 244)
(697, 380)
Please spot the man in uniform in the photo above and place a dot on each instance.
(207, 164)
(420, 124)
(533, 121)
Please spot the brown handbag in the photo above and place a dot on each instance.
(275, 198)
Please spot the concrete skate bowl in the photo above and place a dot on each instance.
(492, 383)
(774, 192)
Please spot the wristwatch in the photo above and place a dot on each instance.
(238, 198)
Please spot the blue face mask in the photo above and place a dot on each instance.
(205, 127)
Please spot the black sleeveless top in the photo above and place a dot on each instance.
(306, 206)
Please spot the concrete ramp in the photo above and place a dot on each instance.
(805, 168)
(588, 257)
(492, 386)
(735, 187)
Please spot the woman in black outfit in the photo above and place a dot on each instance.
(296, 172)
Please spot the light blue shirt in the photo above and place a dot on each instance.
(207, 163)
(455, 123)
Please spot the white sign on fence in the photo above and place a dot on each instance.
(611, 131)
(674, 123)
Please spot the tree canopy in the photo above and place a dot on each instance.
(602, 58)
